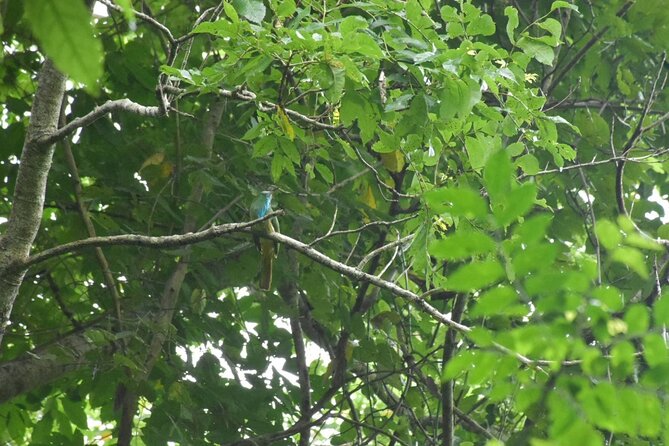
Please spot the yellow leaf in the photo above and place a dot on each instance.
(166, 169)
(348, 353)
(153, 160)
(335, 116)
(393, 161)
(368, 197)
(286, 126)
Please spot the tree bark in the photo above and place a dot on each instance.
(49, 362)
(28, 203)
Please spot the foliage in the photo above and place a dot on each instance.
(498, 165)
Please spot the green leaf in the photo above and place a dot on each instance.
(461, 245)
(346, 146)
(515, 204)
(325, 172)
(290, 150)
(449, 14)
(462, 361)
(593, 127)
(554, 27)
(63, 29)
(220, 28)
(533, 258)
(128, 12)
(533, 229)
(387, 143)
(356, 107)
(277, 167)
(364, 45)
(642, 241)
(457, 201)
(622, 358)
(497, 176)
(655, 350)
(563, 4)
(663, 231)
(610, 297)
(286, 8)
(458, 97)
(528, 163)
(476, 152)
(631, 257)
(75, 412)
(125, 361)
(474, 276)
(536, 49)
(230, 12)
(608, 234)
(637, 319)
(350, 26)
(501, 300)
(661, 310)
(515, 149)
(512, 24)
(482, 25)
(253, 10)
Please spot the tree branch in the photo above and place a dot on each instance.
(447, 403)
(583, 51)
(159, 242)
(47, 363)
(28, 201)
(631, 142)
(85, 217)
(107, 107)
(593, 163)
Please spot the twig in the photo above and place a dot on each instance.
(596, 103)
(613, 159)
(447, 406)
(582, 52)
(638, 131)
(379, 250)
(378, 176)
(357, 274)
(347, 180)
(593, 223)
(220, 212)
(147, 18)
(55, 289)
(110, 283)
(331, 233)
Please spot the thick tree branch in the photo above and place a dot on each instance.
(47, 363)
(28, 202)
(108, 107)
(217, 231)
(159, 242)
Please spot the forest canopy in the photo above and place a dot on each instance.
(282, 222)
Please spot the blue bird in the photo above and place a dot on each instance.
(260, 207)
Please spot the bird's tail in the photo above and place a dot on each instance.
(266, 269)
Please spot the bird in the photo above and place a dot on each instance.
(260, 207)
